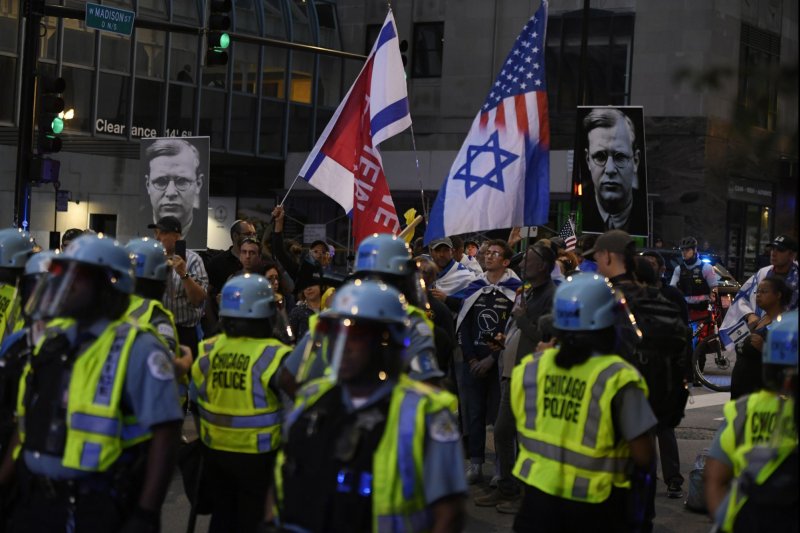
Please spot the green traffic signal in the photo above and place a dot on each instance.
(57, 126)
(224, 40)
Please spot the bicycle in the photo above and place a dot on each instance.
(705, 340)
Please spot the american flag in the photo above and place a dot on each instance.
(568, 234)
(520, 86)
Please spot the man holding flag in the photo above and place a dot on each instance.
(345, 163)
(501, 176)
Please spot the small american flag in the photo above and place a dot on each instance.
(568, 234)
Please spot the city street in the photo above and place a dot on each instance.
(703, 416)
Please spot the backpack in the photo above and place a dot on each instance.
(660, 354)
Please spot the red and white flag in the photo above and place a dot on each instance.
(345, 163)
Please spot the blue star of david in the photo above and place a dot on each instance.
(494, 179)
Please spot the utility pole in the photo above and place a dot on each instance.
(32, 11)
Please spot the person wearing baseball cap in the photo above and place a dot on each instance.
(783, 264)
(452, 276)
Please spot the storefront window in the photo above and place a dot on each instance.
(78, 43)
(275, 25)
(180, 111)
(8, 72)
(330, 81)
(147, 107)
(78, 96)
(48, 42)
(328, 25)
(302, 74)
(274, 74)
(245, 68)
(299, 128)
(183, 60)
(212, 117)
(271, 137)
(112, 107)
(243, 123)
(246, 17)
(9, 22)
(115, 52)
(301, 22)
(150, 53)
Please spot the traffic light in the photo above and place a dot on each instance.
(219, 22)
(49, 106)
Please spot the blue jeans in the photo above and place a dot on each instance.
(481, 395)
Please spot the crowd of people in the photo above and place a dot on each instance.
(360, 401)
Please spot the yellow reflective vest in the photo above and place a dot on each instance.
(141, 310)
(398, 497)
(239, 412)
(97, 431)
(567, 445)
(10, 316)
(758, 436)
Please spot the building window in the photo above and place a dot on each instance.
(371, 35)
(610, 57)
(428, 47)
(759, 59)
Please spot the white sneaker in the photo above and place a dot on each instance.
(474, 473)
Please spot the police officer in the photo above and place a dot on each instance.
(751, 470)
(16, 347)
(369, 449)
(15, 248)
(98, 407)
(384, 258)
(695, 279)
(150, 269)
(583, 421)
(234, 379)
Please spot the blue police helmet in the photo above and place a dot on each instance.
(104, 252)
(39, 263)
(15, 247)
(149, 259)
(584, 302)
(247, 296)
(781, 345)
(374, 301)
(383, 253)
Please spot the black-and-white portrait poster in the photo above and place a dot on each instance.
(175, 174)
(611, 155)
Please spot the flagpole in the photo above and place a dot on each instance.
(290, 190)
(419, 176)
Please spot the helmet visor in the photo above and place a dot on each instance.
(66, 290)
(359, 350)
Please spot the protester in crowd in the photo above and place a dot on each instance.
(249, 257)
(444, 327)
(534, 299)
(586, 242)
(744, 310)
(483, 315)
(309, 304)
(482, 254)
(658, 242)
(187, 284)
(471, 248)
(69, 236)
(581, 476)
(299, 267)
(772, 297)
(465, 259)
(418, 246)
(223, 265)
(567, 262)
(453, 276)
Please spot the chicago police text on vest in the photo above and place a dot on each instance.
(562, 397)
(762, 425)
(229, 370)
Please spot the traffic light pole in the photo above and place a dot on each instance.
(32, 10)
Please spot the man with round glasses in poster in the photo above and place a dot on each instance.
(616, 196)
(174, 179)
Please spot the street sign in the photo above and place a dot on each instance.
(109, 19)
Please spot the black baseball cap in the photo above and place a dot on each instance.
(168, 223)
(614, 241)
(444, 241)
(784, 241)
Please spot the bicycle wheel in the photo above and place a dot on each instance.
(713, 365)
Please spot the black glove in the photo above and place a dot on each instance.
(142, 521)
